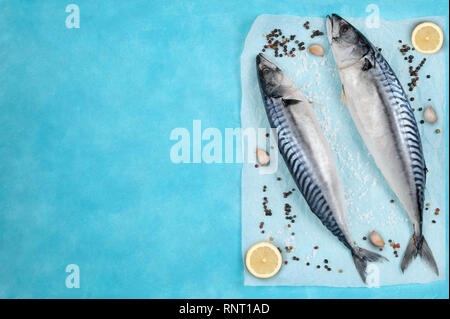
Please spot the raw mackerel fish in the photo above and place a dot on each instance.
(382, 114)
(307, 155)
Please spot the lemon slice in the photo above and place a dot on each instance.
(427, 38)
(263, 260)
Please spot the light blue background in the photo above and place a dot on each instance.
(85, 174)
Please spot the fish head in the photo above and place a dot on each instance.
(270, 76)
(347, 43)
(272, 80)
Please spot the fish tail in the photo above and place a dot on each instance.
(418, 246)
(361, 257)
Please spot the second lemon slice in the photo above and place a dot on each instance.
(263, 260)
(427, 38)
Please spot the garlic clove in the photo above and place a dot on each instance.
(263, 157)
(376, 239)
(316, 50)
(430, 115)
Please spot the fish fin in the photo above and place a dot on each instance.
(343, 96)
(367, 65)
(293, 95)
(418, 246)
(361, 257)
(288, 101)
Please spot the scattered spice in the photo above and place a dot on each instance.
(279, 44)
(404, 48)
(287, 211)
(395, 247)
(316, 33)
(288, 249)
(286, 194)
(267, 211)
(413, 72)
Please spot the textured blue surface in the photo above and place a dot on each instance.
(85, 175)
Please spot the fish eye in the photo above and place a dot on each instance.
(265, 70)
(345, 28)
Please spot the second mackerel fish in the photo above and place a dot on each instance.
(382, 114)
(308, 156)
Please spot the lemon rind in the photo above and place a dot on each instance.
(436, 27)
(262, 244)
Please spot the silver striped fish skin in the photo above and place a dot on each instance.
(385, 120)
(307, 154)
